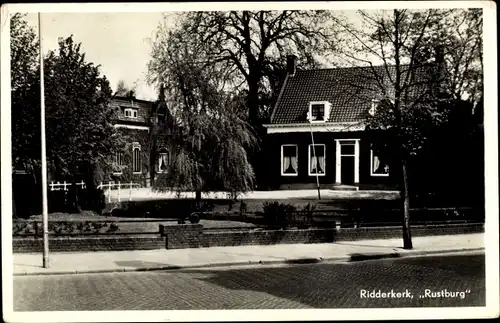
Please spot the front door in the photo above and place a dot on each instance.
(347, 170)
(347, 156)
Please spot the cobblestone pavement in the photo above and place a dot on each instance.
(322, 285)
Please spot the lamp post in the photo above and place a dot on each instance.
(309, 118)
(45, 213)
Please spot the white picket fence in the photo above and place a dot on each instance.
(64, 186)
(111, 187)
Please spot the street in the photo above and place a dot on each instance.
(457, 280)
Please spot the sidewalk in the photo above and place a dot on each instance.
(120, 261)
(141, 194)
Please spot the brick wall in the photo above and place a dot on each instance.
(182, 236)
(264, 237)
(193, 236)
(267, 237)
(102, 243)
(351, 234)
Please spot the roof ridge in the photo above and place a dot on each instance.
(346, 67)
(336, 68)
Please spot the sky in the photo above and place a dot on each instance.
(119, 42)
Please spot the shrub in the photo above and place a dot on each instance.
(307, 213)
(279, 214)
(194, 218)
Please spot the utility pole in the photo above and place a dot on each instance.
(309, 118)
(45, 212)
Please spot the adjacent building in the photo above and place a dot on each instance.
(144, 154)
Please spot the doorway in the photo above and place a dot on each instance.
(347, 165)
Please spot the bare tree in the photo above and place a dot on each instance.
(416, 62)
(250, 46)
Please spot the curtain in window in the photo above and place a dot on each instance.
(290, 159)
(376, 164)
(293, 161)
(163, 162)
(321, 164)
(286, 163)
(317, 153)
(314, 164)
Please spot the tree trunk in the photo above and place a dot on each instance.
(253, 104)
(198, 199)
(76, 203)
(407, 243)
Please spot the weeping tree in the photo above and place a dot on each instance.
(209, 133)
(417, 63)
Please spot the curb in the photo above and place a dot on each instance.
(346, 259)
(408, 254)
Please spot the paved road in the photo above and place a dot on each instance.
(321, 285)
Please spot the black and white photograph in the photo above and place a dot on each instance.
(249, 161)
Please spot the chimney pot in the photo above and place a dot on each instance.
(291, 62)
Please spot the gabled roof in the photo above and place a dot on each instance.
(349, 90)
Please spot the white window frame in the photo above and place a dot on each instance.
(309, 160)
(326, 111)
(136, 145)
(371, 167)
(133, 113)
(159, 160)
(297, 156)
(119, 162)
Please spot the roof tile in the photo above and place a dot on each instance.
(350, 92)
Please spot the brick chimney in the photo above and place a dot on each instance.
(291, 64)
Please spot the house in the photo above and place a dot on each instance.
(316, 131)
(144, 155)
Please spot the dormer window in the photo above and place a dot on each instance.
(318, 111)
(374, 106)
(130, 113)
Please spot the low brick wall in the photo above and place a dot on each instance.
(351, 234)
(193, 236)
(182, 236)
(265, 237)
(100, 243)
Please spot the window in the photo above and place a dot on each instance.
(160, 115)
(317, 160)
(136, 158)
(289, 156)
(318, 111)
(118, 162)
(378, 166)
(163, 161)
(130, 113)
(373, 108)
